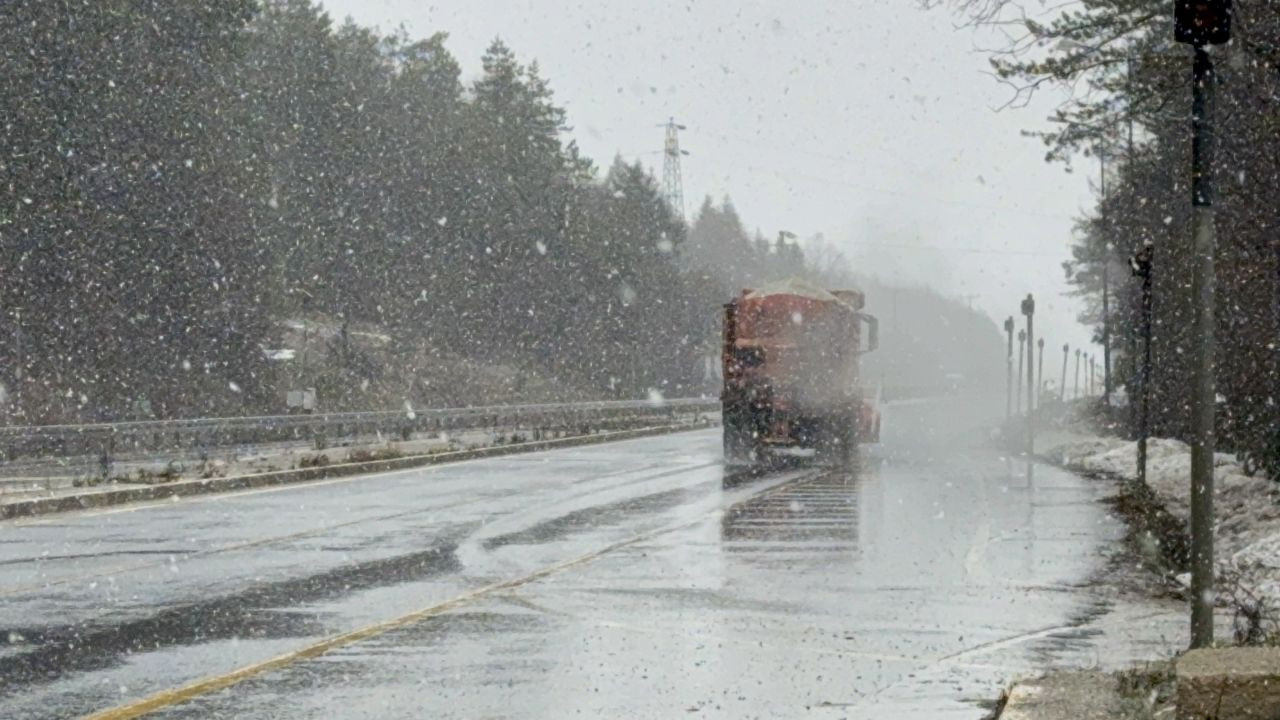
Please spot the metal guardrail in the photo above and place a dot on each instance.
(33, 441)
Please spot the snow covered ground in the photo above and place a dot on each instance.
(1247, 508)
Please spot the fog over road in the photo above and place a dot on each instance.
(631, 579)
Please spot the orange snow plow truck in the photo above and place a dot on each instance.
(790, 362)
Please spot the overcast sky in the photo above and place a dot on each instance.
(866, 120)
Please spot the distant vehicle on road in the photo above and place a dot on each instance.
(790, 359)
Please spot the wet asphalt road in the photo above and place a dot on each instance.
(634, 579)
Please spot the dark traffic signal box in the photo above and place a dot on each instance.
(1202, 22)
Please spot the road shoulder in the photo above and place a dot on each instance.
(1091, 695)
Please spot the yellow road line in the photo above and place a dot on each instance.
(186, 693)
(214, 683)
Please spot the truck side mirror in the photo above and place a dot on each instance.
(873, 332)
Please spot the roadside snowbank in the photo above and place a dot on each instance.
(1247, 508)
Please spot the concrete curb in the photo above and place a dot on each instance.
(1065, 695)
(183, 488)
(1015, 701)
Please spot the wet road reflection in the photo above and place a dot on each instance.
(819, 512)
(629, 580)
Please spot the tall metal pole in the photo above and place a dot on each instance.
(1202, 397)
(1106, 279)
(1141, 264)
(1144, 412)
(672, 183)
(1129, 167)
(1022, 344)
(1040, 371)
(1029, 309)
(1062, 389)
(1076, 392)
(1135, 370)
(1008, 371)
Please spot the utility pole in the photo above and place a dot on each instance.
(1106, 279)
(1200, 23)
(1076, 392)
(1062, 389)
(1141, 264)
(1203, 436)
(1008, 371)
(672, 182)
(1022, 344)
(1029, 309)
(1040, 372)
(1130, 159)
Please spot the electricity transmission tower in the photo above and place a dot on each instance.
(672, 185)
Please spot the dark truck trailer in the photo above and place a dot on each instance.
(790, 358)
